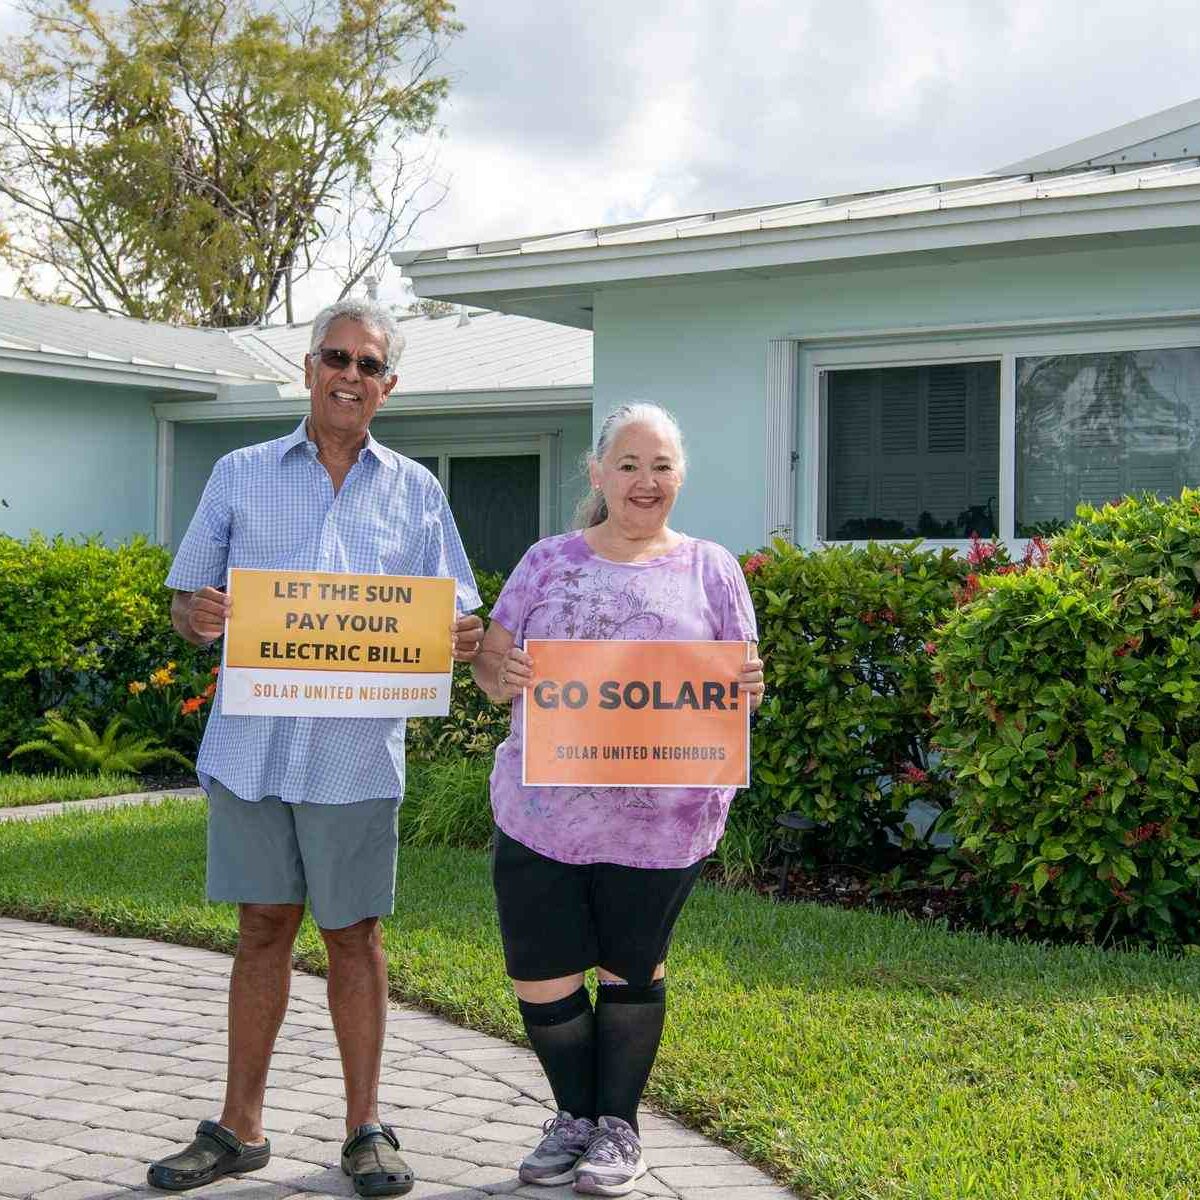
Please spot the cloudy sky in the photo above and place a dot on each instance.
(567, 114)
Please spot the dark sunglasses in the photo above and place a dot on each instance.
(339, 360)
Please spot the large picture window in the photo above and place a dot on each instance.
(1002, 431)
(1096, 427)
(912, 451)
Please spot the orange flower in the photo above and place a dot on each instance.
(136, 687)
(208, 691)
(216, 671)
(190, 706)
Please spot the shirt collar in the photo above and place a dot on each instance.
(299, 437)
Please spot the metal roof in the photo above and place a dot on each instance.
(949, 199)
(32, 329)
(478, 351)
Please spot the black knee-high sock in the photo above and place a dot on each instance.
(563, 1035)
(629, 1025)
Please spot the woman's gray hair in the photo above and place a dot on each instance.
(370, 313)
(592, 510)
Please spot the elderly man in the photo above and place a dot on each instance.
(302, 807)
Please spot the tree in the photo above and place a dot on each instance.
(191, 160)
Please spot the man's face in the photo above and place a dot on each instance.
(344, 399)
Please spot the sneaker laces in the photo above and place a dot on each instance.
(617, 1143)
(565, 1132)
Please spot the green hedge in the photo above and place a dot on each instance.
(1068, 706)
(844, 731)
(78, 621)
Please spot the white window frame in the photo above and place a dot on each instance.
(493, 445)
(929, 347)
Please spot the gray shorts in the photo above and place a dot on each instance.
(342, 857)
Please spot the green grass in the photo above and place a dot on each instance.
(19, 790)
(858, 1056)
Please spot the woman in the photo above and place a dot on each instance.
(596, 877)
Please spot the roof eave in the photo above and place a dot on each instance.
(480, 279)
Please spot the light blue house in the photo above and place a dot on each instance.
(970, 355)
(111, 426)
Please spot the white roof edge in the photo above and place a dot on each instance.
(1110, 141)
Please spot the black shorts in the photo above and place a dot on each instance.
(559, 918)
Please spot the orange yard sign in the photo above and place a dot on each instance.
(318, 643)
(636, 714)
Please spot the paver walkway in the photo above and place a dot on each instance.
(111, 1049)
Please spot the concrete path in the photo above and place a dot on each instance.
(111, 1049)
(33, 812)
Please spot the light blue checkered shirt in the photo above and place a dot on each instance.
(272, 506)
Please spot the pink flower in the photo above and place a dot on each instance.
(755, 563)
(930, 647)
(913, 774)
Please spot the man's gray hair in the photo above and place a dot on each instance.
(370, 313)
(592, 509)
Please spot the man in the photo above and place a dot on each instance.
(307, 807)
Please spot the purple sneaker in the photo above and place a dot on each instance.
(613, 1162)
(564, 1139)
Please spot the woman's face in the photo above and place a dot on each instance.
(640, 477)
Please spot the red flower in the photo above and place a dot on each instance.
(755, 563)
(190, 706)
(930, 647)
(913, 774)
(1037, 552)
(886, 614)
(981, 551)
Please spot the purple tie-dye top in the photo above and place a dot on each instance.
(562, 589)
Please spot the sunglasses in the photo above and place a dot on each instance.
(339, 360)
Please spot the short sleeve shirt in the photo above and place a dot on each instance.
(562, 589)
(272, 506)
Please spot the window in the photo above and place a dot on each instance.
(912, 451)
(1001, 431)
(1096, 427)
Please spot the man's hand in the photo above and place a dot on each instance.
(465, 635)
(199, 616)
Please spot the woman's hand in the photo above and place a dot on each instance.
(515, 673)
(500, 668)
(750, 681)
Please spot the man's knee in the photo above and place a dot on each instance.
(359, 939)
(266, 927)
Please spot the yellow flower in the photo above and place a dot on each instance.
(136, 687)
(162, 677)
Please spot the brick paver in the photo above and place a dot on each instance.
(111, 1049)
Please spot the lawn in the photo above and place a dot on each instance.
(18, 790)
(856, 1056)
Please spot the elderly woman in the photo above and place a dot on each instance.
(595, 877)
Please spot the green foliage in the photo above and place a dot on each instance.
(1068, 708)
(447, 804)
(189, 160)
(170, 707)
(475, 726)
(842, 632)
(78, 621)
(78, 747)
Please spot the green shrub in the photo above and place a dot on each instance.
(1068, 708)
(447, 804)
(78, 747)
(78, 621)
(843, 633)
(475, 726)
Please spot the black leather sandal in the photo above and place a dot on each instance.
(371, 1157)
(215, 1151)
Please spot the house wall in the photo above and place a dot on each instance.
(199, 445)
(75, 459)
(700, 347)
